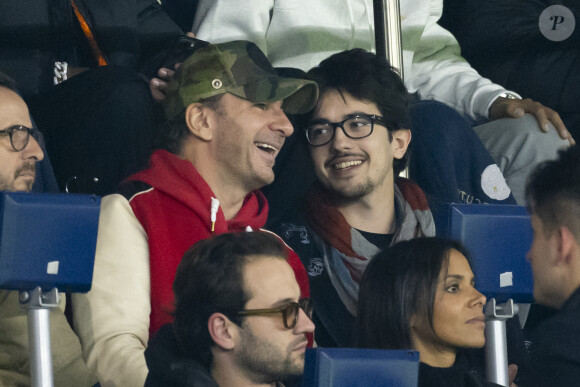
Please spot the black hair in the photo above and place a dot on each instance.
(398, 284)
(553, 192)
(209, 279)
(371, 78)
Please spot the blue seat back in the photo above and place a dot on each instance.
(47, 240)
(498, 238)
(360, 367)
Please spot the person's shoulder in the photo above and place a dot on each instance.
(412, 193)
(169, 366)
(131, 188)
(561, 328)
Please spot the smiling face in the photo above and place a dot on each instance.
(458, 320)
(351, 168)
(17, 169)
(247, 138)
(267, 351)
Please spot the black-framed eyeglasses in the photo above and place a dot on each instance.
(289, 312)
(355, 127)
(19, 136)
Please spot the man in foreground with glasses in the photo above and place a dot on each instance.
(357, 136)
(19, 155)
(239, 318)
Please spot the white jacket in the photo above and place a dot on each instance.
(301, 33)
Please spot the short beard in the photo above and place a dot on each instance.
(263, 362)
(9, 185)
(351, 194)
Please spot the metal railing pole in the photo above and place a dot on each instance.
(388, 32)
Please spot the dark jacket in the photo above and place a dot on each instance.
(555, 348)
(458, 375)
(36, 33)
(168, 367)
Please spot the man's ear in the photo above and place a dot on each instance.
(400, 143)
(200, 120)
(566, 243)
(222, 331)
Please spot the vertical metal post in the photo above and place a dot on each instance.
(496, 341)
(38, 305)
(387, 14)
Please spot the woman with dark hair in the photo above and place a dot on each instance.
(420, 294)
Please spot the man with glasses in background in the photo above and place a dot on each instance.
(19, 155)
(357, 136)
(239, 319)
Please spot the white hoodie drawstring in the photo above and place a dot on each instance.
(215, 205)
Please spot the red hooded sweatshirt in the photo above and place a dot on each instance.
(173, 204)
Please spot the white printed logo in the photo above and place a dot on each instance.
(493, 183)
(557, 23)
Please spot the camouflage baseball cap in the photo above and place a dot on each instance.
(239, 68)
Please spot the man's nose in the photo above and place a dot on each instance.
(33, 150)
(280, 122)
(304, 323)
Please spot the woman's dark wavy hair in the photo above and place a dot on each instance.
(209, 279)
(399, 283)
(371, 78)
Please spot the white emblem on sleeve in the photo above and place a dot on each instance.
(493, 183)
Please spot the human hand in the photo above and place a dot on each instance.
(512, 373)
(158, 86)
(505, 107)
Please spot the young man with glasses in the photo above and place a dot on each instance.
(226, 118)
(239, 318)
(19, 155)
(357, 137)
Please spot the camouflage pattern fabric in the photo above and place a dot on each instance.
(239, 68)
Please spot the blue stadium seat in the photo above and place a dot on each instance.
(47, 240)
(360, 367)
(498, 238)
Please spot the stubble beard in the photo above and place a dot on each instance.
(264, 362)
(351, 193)
(6, 185)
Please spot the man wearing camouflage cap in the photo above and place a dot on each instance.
(226, 123)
